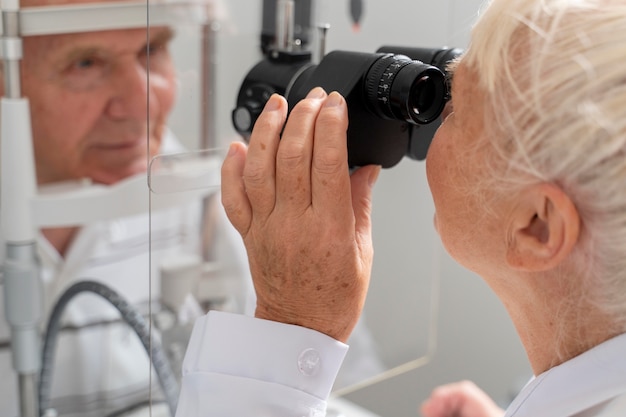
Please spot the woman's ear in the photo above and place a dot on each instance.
(544, 229)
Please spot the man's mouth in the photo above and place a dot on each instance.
(122, 145)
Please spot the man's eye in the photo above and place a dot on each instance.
(84, 72)
(155, 49)
(447, 111)
(85, 63)
(155, 56)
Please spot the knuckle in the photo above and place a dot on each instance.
(329, 160)
(254, 174)
(236, 213)
(291, 154)
(333, 118)
(232, 209)
(263, 125)
(306, 106)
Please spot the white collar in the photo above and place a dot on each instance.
(589, 379)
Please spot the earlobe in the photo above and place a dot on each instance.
(544, 231)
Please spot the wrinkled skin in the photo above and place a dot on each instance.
(94, 113)
(304, 219)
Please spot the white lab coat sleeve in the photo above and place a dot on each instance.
(240, 366)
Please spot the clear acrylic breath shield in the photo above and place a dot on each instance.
(397, 332)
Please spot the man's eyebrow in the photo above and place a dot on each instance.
(451, 71)
(162, 36)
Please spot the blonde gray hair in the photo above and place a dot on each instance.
(555, 72)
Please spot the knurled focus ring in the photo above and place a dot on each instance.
(379, 81)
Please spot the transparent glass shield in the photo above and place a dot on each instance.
(196, 260)
(397, 331)
(400, 312)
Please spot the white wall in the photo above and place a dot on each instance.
(475, 337)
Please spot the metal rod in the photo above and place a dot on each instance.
(285, 25)
(11, 53)
(29, 405)
(209, 130)
(321, 43)
(208, 139)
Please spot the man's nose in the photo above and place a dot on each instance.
(130, 98)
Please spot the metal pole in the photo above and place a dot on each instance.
(208, 131)
(285, 25)
(208, 105)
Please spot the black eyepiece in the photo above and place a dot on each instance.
(394, 96)
(399, 88)
(427, 97)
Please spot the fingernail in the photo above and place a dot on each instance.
(317, 92)
(273, 103)
(334, 100)
(232, 149)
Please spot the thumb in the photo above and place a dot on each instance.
(362, 182)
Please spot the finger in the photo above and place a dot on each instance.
(463, 399)
(362, 182)
(442, 402)
(234, 197)
(439, 406)
(260, 167)
(330, 179)
(293, 160)
(430, 408)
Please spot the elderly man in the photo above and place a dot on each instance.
(99, 106)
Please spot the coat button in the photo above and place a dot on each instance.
(309, 362)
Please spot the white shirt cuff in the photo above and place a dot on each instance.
(264, 350)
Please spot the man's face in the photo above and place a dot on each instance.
(470, 230)
(99, 101)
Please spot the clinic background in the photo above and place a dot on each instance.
(472, 339)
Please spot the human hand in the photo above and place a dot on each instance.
(460, 399)
(305, 221)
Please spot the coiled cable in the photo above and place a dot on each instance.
(131, 316)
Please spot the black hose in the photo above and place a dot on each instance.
(131, 316)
